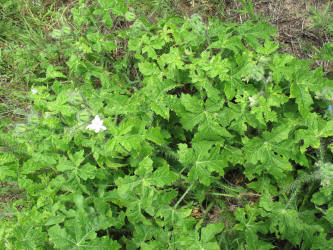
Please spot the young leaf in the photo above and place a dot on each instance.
(80, 232)
(202, 161)
(303, 98)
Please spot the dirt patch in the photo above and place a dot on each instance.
(293, 22)
(9, 193)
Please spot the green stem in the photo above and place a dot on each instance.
(204, 216)
(225, 195)
(183, 196)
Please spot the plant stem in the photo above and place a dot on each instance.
(183, 196)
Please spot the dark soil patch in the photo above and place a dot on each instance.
(9, 193)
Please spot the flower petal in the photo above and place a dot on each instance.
(90, 126)
(96, 124)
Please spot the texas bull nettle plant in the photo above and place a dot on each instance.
(192, 116)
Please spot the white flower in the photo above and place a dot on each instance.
(253, 101)
(34, 91)
(96, 124)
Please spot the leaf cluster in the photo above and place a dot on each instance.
(196, 115)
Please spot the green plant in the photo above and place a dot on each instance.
(144, 123)
(322, 19)
(27, 49)
(247, 8)
(155, 8)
